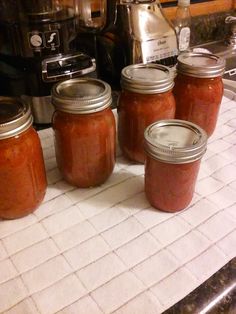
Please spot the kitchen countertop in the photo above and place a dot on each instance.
(216, 295)
(105, 250)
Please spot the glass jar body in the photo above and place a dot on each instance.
(85, 146)
(198, 100)
(170, 187)
(137, 111)
(22, 175)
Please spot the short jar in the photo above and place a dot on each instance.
(146, 97)
(22, 171)
(85, 131)
(174, 150)
(199, 89)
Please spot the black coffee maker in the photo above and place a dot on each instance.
(37, 49)
(98, 37)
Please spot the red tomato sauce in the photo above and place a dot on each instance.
(170, 187)
(22, 175)
(137, 111)
(198, 100)
(85, 146)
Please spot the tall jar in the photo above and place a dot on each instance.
(22, 172)
(199, 89)
(146, 96)
(174, 150)
(85, 132)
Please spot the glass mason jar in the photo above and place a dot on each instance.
(199, 89)
(85, 131)
(146, 97)
(174, 149)
(22, 172)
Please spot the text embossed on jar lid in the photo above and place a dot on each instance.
(175, 141)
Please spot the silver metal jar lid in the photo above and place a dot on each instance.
(202, 65)
(15, 117)
(81, 95)
(147, 78)
(175, 141)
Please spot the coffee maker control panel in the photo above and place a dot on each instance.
(40, 40)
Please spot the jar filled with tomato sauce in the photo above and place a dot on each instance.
(199, 89)
(174, 149)
(85, 131)
(22, 172)
(146, 97)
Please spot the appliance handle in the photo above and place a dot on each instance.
(66, 67)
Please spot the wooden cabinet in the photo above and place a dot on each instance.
(206, 7)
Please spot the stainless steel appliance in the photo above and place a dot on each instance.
(128, 32)
(145, 32)
(37, 49)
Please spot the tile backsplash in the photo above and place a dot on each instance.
(209, 27)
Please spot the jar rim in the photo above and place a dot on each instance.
(18, 117)
(175, 141)
(81, 95)
(201, 65)
(147, 78)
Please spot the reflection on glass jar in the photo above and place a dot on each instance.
(85, 133)
(22, 172)
(199, 89)
(145, 98)
(174, 149)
